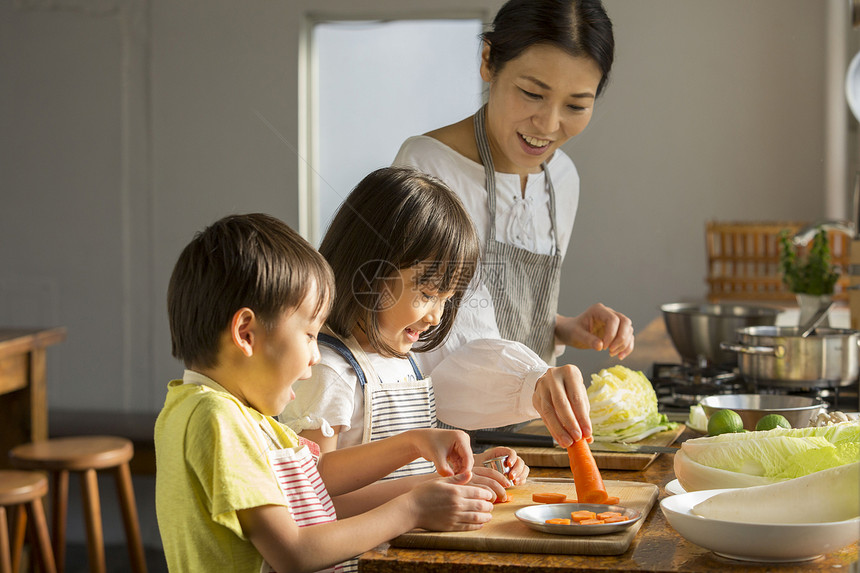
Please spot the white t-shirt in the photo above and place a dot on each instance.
(481, 380)
(332, 395)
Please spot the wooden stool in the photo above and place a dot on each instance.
(86, 454)
(24, 492)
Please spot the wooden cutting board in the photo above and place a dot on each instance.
(504, 532)
(557, 457)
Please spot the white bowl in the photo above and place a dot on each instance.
(756, 541)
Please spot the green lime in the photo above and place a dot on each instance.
(772, 421)
(724, 422)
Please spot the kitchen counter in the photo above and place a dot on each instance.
(656, 548)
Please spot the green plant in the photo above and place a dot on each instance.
(812, 275)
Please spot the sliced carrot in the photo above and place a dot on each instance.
(558, 521)
(612, 500)
(582, 514)
(586, 476)
(605, 514)
(505, 499)
(549, 497)
(591, 522)
(616, 519)
(570, 500)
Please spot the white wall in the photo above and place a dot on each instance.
(128, 125)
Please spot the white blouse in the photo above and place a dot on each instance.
(476, 366)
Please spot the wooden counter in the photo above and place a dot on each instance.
(656, 548)
(23, 391)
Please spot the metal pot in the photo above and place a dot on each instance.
(697, 329)
(779, 356)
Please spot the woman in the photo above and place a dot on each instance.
(546, 62)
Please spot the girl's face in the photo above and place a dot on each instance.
(537, 101)
(411, 309)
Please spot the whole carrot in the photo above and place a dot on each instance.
(586, 476)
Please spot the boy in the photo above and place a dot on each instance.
(234, 487)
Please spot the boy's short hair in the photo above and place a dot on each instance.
(253, 261)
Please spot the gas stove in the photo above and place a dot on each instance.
(679, 386)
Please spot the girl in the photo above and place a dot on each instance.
(403, 251)
(545, 62)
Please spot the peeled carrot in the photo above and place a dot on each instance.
(558, 521)
(612, 500)
(549, 497)
(586, 476)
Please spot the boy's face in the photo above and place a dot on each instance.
(285, 354)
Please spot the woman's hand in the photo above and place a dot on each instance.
(598, 328)
(449, 450)
(561, 401)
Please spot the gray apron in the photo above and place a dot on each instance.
(524, 285)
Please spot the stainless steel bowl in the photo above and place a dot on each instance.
(697, 329)
(753, 407)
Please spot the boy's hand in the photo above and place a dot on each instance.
(449, 450)
(517, 470)
(445, 504)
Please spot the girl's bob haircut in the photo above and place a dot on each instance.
(396, 218)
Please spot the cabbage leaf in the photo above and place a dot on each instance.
(624, 406)
(772, 455)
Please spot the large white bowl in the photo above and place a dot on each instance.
(756, 541)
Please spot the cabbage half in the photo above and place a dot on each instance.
(624, 406)
(756, 458)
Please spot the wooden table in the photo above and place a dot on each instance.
(23, 391)
(656, 548)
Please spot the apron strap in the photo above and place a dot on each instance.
(483, 144)
(338, 346)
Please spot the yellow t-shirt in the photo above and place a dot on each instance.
(211, 461)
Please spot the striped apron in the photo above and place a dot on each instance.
(389, 408)
(307, 498)
(524, 285)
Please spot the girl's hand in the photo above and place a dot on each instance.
(598, 328)
(449, 450)
(517, 470)
(561, 400)
(445, 504)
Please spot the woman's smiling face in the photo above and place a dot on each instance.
(537, 101)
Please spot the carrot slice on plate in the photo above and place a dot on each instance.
(582, 514)
(605, 514)
(591, 522)
(616, 519)
(549, 497)
(586, 476)
(558, 521)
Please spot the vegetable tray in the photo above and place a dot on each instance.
(557, 457)
(505, 533)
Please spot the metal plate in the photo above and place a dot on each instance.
(535, 517)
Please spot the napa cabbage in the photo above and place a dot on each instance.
(624, 406)
(755, 458)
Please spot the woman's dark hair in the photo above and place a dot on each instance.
(579, 27)
(253, 261)
(396, 218)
